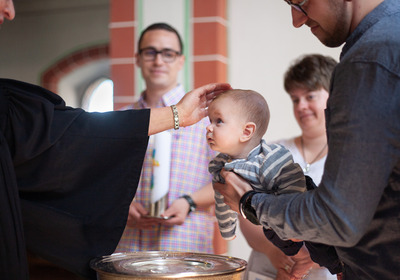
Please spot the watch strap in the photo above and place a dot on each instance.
(192, 204)
(246, 210)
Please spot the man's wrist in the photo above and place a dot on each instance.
(245, 208)
(192, 204)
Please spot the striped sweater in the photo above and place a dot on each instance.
(268, 168)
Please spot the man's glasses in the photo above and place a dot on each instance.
(150, 54)
(297, 7)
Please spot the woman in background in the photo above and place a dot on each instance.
(307, 83)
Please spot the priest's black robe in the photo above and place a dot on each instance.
(67, 178)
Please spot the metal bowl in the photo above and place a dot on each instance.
(168, 265)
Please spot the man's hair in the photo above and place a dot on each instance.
(161, 26)
(311, 72)
(252, 105)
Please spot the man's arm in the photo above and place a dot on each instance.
(362, 154)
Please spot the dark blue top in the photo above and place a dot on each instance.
(357, 205)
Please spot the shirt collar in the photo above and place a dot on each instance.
(170, 98)
(253, 153)
(384, 9)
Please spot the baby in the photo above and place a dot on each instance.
(238, 121)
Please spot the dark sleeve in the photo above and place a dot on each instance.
(289, 247)
(325, 255)
(13, 260)
(77, 173)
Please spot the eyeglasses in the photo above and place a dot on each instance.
(297, 7)
(150, 54)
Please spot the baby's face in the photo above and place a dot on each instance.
(226, 126)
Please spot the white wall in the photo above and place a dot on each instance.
(44, 31)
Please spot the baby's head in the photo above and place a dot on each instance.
(238, 120)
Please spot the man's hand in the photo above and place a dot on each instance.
(178, 212)
(303, 264)
(192, 107)
(233, 189)
(136, 217)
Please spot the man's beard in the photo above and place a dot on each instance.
(338, 36)
(339, 33)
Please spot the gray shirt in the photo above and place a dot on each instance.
(357, 204)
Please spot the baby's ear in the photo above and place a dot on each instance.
(248, 131)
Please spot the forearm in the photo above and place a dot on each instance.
(160, 119)
(204, 197)
(340, 210)
(360, 160)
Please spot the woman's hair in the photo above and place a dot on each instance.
(252, 105)
(311, 72)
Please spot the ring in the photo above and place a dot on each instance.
(287, 268)
(305, 275)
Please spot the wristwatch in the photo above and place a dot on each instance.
(192, 205)
(246, 209)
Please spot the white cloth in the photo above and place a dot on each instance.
(161, 165)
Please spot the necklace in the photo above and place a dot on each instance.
(308, 164)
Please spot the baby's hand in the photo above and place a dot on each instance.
(303, 264)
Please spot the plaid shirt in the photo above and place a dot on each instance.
(190, 155)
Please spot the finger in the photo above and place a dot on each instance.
(147, 222)
(213, 90)
(215, 87)
(140, 209)
(287, 268)
(224, 173)
(173, 221)
(296, 240)
(282, 274)
(218, 187)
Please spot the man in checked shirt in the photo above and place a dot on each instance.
(160, 59)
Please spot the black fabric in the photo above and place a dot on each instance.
(13, 262)
(76, 173)
(289, 247)
(325, 255)
(322, 254)
(310, 183)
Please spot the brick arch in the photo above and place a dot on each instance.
(52, 75)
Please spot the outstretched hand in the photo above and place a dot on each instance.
(193, 106)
